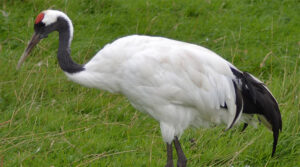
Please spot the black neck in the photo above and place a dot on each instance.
(63, 55)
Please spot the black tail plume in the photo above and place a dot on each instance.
(239, 104)
(259, 100)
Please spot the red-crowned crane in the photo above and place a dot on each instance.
(177, 83)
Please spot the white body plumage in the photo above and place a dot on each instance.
(179, 84)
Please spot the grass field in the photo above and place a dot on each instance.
(46, 120)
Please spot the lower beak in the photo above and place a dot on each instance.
(34, 40)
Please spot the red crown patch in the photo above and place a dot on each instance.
(39, 18)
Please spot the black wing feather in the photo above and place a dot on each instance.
(257, 99)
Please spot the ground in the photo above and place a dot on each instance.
(47, 120)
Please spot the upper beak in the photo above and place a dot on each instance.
(34, 40)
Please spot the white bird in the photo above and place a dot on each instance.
(179, 84)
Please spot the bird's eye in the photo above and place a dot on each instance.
(39, 27)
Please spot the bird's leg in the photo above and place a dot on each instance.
(169, 155)
(181, 162)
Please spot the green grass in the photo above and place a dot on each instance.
(46, 120)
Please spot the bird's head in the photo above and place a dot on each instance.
(45, 23)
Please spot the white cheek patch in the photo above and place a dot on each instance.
(50, 17)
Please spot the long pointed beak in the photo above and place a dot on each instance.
(34, 40)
